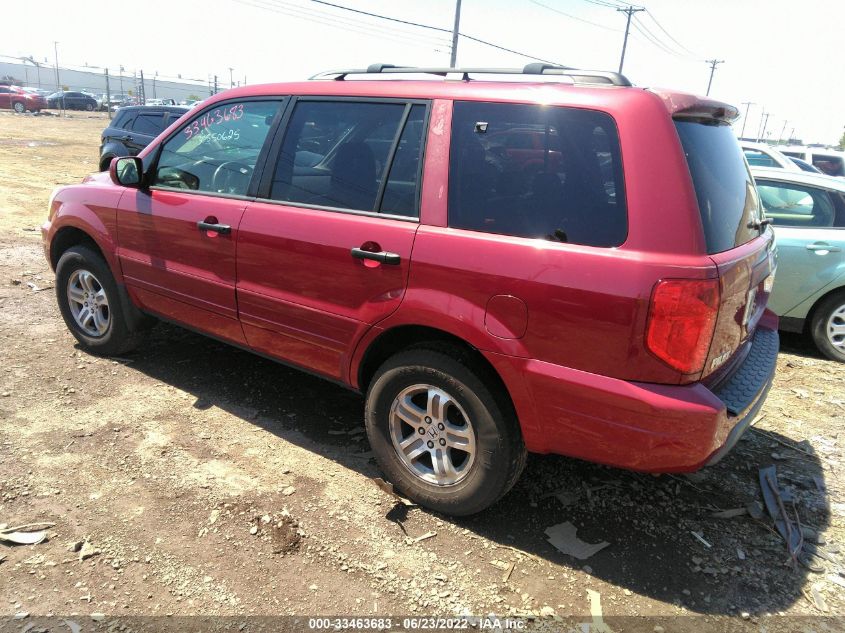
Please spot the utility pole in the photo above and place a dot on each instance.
(630, 11)
(760, 125)
(231, 78)
(783, 129)
(215, 85)
(155, 74)
(791, 136)
(142, 96)
(713, 63)
(58, 83)
(121, 80)
(108, 93)
(455, 34)
(747, 105)
(765, 124)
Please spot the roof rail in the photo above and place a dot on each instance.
(577, 75)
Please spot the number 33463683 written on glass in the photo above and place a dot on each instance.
(215, 117)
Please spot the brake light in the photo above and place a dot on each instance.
(681, 320)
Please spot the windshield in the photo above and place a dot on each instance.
(727, 198)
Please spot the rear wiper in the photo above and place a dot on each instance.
(559, 235)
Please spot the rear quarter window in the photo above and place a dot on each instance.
(727, 199)
(536, 171)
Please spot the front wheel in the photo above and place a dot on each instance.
(828, 327)
(440, 435)
(89, 107)
(91, 303)
(19, 107)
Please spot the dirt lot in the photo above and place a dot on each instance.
(210, 481)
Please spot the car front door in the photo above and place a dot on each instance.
(810, 229)
(325, 251)
(177, 236)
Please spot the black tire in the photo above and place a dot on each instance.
(123, 330)
(105, 163)
(829, 306)
(500, 454)
(19, 107)
(89, 107)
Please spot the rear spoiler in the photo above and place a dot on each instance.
(708, 111)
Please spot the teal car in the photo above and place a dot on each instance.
(808, 213)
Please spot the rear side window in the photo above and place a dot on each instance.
(759, 159)
(727, 199)
(336, 154)
(536, 171)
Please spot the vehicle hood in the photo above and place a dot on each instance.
(99, 178)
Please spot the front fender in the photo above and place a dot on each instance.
(90, 209)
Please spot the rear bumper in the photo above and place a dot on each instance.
(639, 426)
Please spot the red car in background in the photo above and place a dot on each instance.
(19, 100)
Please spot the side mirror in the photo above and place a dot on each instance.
(126, 171)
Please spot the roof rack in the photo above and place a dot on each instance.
(577, 75)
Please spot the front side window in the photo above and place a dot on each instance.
(217, 150)
(537, 171)
(796, 205)
(149, 124)
(337, 154)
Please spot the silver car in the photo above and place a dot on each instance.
(808, 213)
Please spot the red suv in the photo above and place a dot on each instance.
(605, 299)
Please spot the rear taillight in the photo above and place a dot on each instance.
(681, 319)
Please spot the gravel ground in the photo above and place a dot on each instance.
(202, 480)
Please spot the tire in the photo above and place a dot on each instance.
(484, 423)
(830, 314)
(105, 162)
(106, 330)
(89, 107)
(19, 107)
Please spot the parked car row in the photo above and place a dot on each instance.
(576, 269)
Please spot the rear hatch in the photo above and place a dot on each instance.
(740, 245)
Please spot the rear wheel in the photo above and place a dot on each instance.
(828, 327)
(89, 107)
(19, 107)
(439, 433)
(91, 303)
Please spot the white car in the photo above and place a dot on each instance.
(829, 161)
(762, 155)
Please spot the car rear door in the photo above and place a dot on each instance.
(142, 130)
(810, 227)
(5, 97)
(177, 237)
(325, 251)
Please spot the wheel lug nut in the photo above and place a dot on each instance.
(427, 420)
(442, 442)
(422, 431)
(430, 444)
(440, 426)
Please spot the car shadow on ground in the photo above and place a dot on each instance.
(739, 563)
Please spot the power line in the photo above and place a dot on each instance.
(574, 17)
(668, 34)
(654, 39)
(424, 26)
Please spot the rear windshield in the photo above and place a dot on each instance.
(727, 199)
(829, 164)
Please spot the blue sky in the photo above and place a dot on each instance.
(786, 57)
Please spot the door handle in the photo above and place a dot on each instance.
(821, 246)
(222, 229)
(381, 256)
